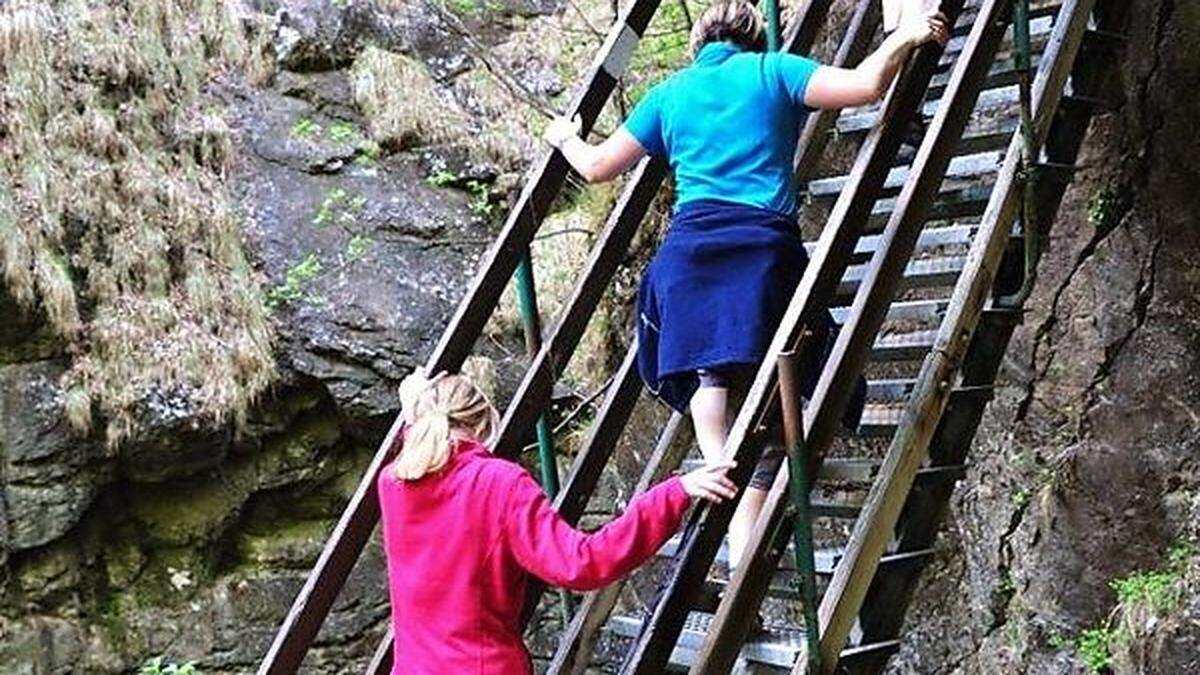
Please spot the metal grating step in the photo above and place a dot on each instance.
(776, 646)
(924, 311)
(963, 168)
(924, 273)
(863, 119)
(930, 238)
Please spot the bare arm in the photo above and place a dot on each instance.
(833, 88)
(596, 163)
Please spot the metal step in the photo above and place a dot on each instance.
(890, 389)
(924, 273)
(958, 202)
(963, 168)
(861, 120)
(776, 646)
(784, 581)
(837, 469)
(1040, 26)
(930, 238)
(970, 12)
(910, 346)
(1002, 74)
(924, 311)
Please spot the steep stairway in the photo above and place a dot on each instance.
(911, 252)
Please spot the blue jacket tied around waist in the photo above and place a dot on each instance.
(714, 295)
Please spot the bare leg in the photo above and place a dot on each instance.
(709, 408)
(709, 416)
(743, 523)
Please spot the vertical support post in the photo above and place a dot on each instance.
(793, 433)
(771, 9)
(531, 324)
(1023, 62)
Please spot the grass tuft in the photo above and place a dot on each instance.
(402, 101)
(114, 218)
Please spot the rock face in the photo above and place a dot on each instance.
(190, 542)
(1085, 470)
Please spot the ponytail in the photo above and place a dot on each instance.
(439, 410)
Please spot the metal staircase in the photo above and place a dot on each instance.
(911, 257)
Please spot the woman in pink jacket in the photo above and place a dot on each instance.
(463, 530)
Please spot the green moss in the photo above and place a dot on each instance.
(294, 545)
(344, 132)
(358, 246)
(157, 666)
(123, 562)
(297, 456)
(49, 573)
(193, 512)
(340, 207)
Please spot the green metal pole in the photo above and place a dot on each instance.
(800, 508)
(806, 563)
(771, 9)
(532, 325)
(1023, 61)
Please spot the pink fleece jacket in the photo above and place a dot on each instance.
(461, 543)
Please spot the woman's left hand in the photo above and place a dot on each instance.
(561, 128)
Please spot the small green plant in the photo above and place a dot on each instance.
(305, 128)
(155, 666)
(442, 178)
(358, 247)
(368, 154)
(481, 198)
(1153, 591)
(297, 276)
(344, 132)
(1020, 498)
(1095, 648)
(1058, 640)
(340, 206)
(1107, 209)
(1159, 590)
(463, 7)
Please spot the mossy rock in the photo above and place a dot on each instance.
(49, 574)
(298, 455)
(291, 545)
(193, 512)
(123, 563)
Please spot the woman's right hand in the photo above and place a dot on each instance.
(930, 28)
(710, 482)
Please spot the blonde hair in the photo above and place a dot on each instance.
(437, 410)
(735, 21)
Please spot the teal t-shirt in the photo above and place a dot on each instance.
(728, 124)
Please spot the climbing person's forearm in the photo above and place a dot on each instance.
(880, 68)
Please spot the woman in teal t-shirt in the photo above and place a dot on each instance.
(714, 294)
